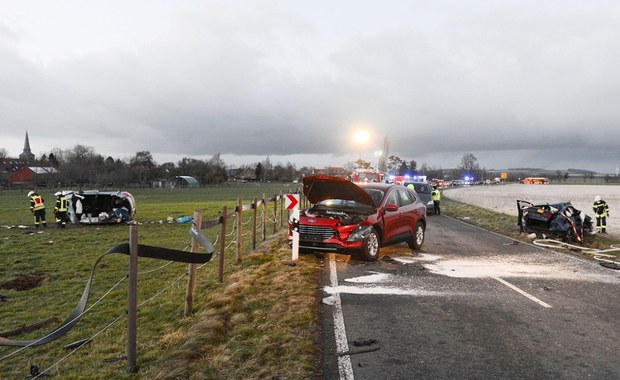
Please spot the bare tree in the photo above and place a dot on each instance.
(469, 163)
(142, 165)
(78, 166)
(394, 164)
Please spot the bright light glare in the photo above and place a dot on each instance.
(361, 137)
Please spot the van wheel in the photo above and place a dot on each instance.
(417, 240)
(370, 247)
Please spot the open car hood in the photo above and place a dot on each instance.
(321, 187)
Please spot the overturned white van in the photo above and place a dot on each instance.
(100, 207)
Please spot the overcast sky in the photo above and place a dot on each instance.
(516, 83)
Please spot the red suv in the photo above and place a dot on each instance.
(359, 218)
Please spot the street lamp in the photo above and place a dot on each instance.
(378, 154)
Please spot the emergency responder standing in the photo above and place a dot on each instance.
(60, 210)
(37, 207)
(436, 197)
(601, 211)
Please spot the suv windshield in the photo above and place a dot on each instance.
(376, 196)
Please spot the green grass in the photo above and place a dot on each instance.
(259, 323)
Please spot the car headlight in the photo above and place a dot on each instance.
(359, 233)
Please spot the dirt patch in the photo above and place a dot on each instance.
(24, 282)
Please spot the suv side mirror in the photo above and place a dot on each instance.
(391, 207)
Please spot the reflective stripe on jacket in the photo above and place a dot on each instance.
(61, 204)
(36, 203)
(600, 208)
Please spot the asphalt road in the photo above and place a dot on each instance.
(471, 305)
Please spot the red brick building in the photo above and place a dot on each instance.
(33, 176)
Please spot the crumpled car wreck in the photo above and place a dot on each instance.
(554, 220)
(100, 207)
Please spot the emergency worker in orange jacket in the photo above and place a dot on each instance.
(37, 207)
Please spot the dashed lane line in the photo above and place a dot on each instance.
(522, 292)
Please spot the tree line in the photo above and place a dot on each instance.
(83, 166)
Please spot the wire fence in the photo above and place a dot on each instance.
(239, 231)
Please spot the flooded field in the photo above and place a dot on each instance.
(503, 198)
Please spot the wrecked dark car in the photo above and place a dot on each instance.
(100, 207)
(358, 219)
(554, 220)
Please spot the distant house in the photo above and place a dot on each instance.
(34, 176)
(333, 171)
(243, 174)
(9, 166)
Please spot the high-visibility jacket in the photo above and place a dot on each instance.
(36, 202)
(435, 195)
(600, 208)
(61, 204)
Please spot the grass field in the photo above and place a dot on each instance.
(260, 322)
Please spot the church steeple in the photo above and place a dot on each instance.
(27, 155)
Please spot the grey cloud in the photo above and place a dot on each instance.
(517, 84)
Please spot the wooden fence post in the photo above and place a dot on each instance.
(255, 211)
(191, 280)
(282, 209)
(264, 217)
(222, 244)
(275, 212)
(132, 308)
(239, 230)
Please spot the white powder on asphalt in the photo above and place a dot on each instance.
(384, 290)
(497, 267)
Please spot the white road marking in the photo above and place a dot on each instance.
(522, 292)
(344, 362)
(374, 277)
(395, 291)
